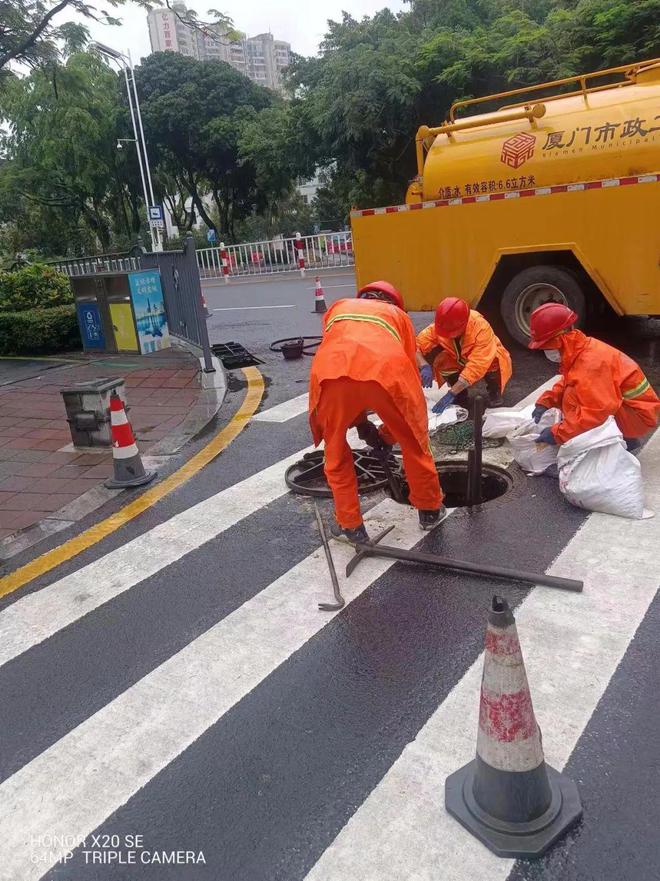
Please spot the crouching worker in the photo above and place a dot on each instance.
(597, 381)
(460, 348)
(366, 362)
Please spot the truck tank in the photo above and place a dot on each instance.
(594, 133)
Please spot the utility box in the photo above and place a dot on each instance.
(88, 411)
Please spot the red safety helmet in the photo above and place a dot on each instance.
(451, 317)
(547, 321)
(381, 290)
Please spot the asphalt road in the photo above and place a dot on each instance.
(175, 689)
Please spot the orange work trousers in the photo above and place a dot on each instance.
(344, 403)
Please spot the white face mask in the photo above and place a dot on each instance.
(552, 355)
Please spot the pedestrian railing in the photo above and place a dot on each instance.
(298, 253)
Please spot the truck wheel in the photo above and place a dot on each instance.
(532, 288)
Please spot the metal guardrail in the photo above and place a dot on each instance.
(322, 251)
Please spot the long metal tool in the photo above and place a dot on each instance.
(340, 601)
(374, 550)
(477, 451)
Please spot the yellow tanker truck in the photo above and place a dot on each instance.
(555, 195)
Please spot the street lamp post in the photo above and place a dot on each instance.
(140, 144)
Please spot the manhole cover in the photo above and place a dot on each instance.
(308, 478)
(495, 482)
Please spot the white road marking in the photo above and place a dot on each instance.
(245, 308)
(330, 287)
(572, 644)
(72, 787)
(283, 412)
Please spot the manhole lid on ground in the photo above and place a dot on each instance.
(308, 478)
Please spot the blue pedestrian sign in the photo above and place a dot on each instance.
(91, 328)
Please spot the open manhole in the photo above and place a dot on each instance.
(307, 477)
(495, 482)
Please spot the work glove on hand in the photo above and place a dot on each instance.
(444, 402)
(546, 437)
(427, 376)
(368, 433)
(537, 412)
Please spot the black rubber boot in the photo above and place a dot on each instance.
(357, 536)
(430, 519)
(493, 390)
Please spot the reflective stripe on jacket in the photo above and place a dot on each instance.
(370, 340)
(598, 381)
(472, 355)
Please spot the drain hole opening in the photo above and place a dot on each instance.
(495, 482)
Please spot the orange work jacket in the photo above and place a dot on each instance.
(471, 355)
(370, 340)
(598, 381)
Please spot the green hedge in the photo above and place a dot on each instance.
(34, 287)
(39, 331)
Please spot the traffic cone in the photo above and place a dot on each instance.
(508, 797)
(319, 298)
(129, 470)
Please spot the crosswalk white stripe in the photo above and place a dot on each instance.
(39, 615)
(285, 411)
(73, 786)
(572, 644)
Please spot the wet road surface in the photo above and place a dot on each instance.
(174, 689)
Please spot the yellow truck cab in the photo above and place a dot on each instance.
(553, 196)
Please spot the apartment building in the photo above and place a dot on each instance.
(261, 58)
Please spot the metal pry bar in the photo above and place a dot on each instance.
(340, 601)
(479, 569)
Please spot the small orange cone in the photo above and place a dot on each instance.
(508, 797)
(319, 298)
(129, 470)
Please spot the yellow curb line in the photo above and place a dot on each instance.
(99, 531)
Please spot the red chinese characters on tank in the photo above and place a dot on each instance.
(518, 149)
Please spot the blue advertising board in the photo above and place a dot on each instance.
(149, 307)
(91, 329)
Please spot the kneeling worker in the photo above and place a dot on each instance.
(460, 348)
(366, 361)
(597, 381)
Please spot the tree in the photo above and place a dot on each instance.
(193, 114)
(64, 126)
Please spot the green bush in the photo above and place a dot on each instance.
(38, 331)
(34, 287)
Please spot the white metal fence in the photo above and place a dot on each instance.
(298, 253)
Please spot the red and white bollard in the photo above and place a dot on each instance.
(299, 246)
(224, 257)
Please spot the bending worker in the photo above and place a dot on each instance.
(460, 348)
(366, 361)
(597, 381)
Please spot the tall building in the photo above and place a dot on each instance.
(261, 58)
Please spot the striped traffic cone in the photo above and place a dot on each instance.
(129, 470)
(508, 797)
(319, 297)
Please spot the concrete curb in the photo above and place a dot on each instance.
(214, 391)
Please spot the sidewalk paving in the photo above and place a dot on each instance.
(39, 471)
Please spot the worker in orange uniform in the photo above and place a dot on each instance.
(366, 362)
(597, 381)
(460, 348)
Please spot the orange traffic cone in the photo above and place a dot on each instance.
(319, 298)
(508, 797)
(129, 470)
